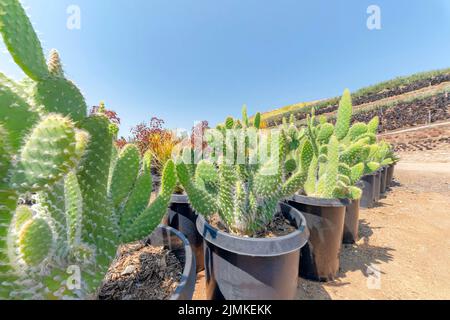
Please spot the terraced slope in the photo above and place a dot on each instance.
(403, 102)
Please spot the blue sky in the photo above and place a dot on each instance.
(185, 61)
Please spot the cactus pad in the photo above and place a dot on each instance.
(60, 95)
(344, 116)
(124, 174)
(15, 114)
(49, 153)
(35, 241)
(21, 40)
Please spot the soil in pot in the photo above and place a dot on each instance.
(319, 259)
(351, 222)
(159, 267)
(279, 227)
(142, 272)
(245, 268)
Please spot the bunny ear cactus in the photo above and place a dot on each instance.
(337, 154)
(48, 153)
(244, 195)
(16, 115)
(372, 126)
(137, 199)
(344, 116)
(124, 175)
(359, 146)
(382, 156)
(21, 40)
(151, 216)
(50, 87)
(391, 154)
(88, 199)
(245, 119)
(326, 179)
(73, 221)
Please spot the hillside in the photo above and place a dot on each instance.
(418, 99)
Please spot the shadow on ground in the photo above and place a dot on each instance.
(361, 256)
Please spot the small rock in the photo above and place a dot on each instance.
(128, 270)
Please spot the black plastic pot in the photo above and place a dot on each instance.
(239, 268)
(390, 175)
(368, 188)
(383, 180)
(176, 242)
(377, 187)
(351, 223)
(182, 218)
(319, 259)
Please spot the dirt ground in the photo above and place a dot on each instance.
(404, 246)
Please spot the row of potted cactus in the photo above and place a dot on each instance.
(89, 197)
(313, 181)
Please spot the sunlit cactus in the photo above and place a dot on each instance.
(344, 154)
(245, 194)
(328, 177)
(87, 198)
(344, 116)
(335, 153)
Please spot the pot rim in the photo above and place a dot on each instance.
(179, 198)
(374, 173)
(247, 246)
(321, 202)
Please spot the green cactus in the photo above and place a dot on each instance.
(50, 87)
(50, 91)
(356, 131)
(245, 194)
(35, 241)
(392, 155)
(325, 132)
(48, 154)
(344, 116)
(372, 126)
(5, 155)
(383, 154)
(21, 40)
(257, 121)
(124, 175)
(333, 155)
(16, 114)
(88, 199)
(138, 198)
(245, 120)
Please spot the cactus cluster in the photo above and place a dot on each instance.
(88, 198)
(342, 153)
(323, 160)
(243, 192)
